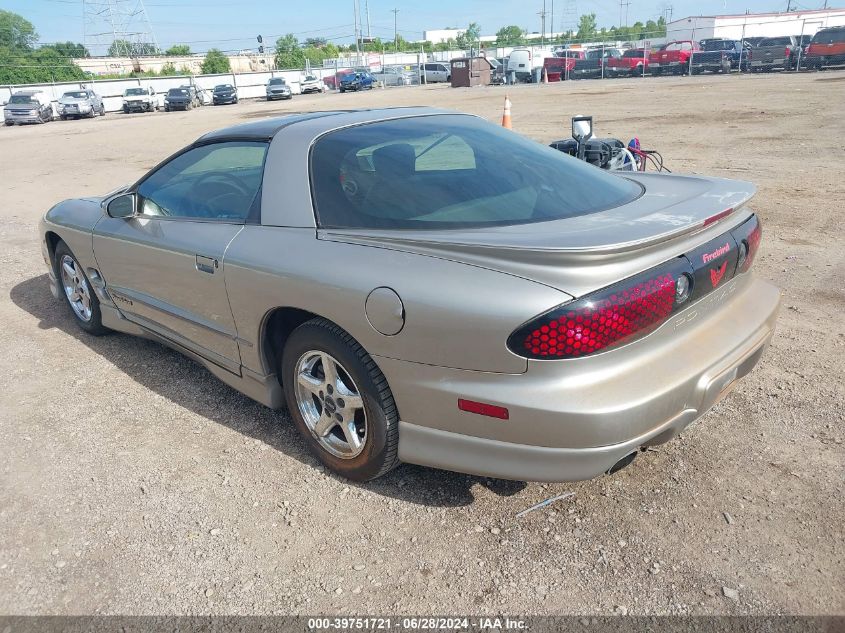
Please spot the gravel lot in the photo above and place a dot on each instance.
(133, 482)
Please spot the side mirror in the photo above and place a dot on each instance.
(123, 206)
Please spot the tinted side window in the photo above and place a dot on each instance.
(212, 182)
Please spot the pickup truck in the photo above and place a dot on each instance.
(559, 67)
(827, 48)
(775, 52)
(672, 58)
(631, 62)
(719, 56)
(593, 62)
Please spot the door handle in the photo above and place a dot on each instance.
(206, 264)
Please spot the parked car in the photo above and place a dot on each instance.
(28, 106)
(396, 76)
(277, 88)
(559, 67)
(199, 97)
(435, 72)
(179, 99)
(775, 53)
(359, 80)
(311, 84)
(719, 56)
(79, 103)
(334, 82)
(632, 62)
(497, 72)
(672, 58)
(360, 267)
(140, 100)
(593, 62)
(225, 93)
(827, 48)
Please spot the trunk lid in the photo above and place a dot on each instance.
(576, 255)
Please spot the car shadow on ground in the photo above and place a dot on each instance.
(180, 380)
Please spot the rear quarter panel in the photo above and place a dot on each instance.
(456, 315)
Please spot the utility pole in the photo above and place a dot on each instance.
(395, 31)
(623, 6)
(542, 15)
(357, 34)
(552, 23)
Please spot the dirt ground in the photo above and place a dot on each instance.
(133, 482)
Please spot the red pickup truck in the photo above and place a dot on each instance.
(673, 58)
(631, 62)
(559, 67)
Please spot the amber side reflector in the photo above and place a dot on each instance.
(490, 410)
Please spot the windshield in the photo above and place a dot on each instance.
(451, 171)
(222, 88)
(22, 99)
(634, 52)
(276, 82)
(776, 41)
(131, 92)
(75, 95)
(310, 78)
(177, 92)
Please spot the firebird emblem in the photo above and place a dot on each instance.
(716, 274)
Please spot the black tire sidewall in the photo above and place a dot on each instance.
(382, 418)
(95, 324)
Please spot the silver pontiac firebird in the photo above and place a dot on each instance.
(421, 286)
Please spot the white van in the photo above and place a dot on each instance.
(521, 63)
(437, 71)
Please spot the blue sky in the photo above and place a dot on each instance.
(233, 24)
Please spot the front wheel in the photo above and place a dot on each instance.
(340, 401)
(79, 295)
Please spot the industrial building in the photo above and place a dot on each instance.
(736, 27)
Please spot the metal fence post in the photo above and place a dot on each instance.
(601, 61)
(800, 45)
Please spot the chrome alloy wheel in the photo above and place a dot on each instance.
(76, 287)
(330, 404)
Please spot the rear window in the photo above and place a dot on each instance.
(633, 53)
(776, 41)
(829, 36)
(451, 171)
(717, 45)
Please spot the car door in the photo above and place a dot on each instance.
(165, 265)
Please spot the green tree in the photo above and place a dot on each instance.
(178, 50)
(16, 32)
(315, 42)
(288, 53)
(587, 26)
(68, 49)
(510, 36)
(215, 63)
(125, 48)
(469, 37)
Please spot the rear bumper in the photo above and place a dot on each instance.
(571, 420)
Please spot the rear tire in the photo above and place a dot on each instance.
(77, 291)
(327, 421)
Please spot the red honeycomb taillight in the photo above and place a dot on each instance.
(607, 318)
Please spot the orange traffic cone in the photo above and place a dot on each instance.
(506, 115)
